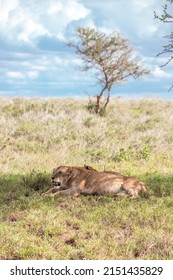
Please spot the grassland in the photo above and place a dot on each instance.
(135, 138)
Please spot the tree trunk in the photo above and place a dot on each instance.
(107, 100)
(99, 98)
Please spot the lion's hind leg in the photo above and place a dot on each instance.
(133, 188)
(131, 191)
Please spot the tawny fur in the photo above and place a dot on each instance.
(75, 181)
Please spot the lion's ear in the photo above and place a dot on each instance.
(69, 170)
(86, 166)
(54, 170)
(89, 167)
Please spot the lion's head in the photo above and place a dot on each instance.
(61, 175)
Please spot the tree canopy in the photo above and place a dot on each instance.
(167, 17)
(111, 56)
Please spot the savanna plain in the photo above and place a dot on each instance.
(134, 137)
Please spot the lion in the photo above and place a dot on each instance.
(76, 181)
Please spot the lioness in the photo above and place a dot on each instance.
(80, 180)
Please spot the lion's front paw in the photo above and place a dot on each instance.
(44, 194)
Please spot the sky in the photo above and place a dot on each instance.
(35, 60)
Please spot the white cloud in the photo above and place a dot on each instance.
(58, 61)
(142, 4)
(55, 7)
(32, 74)
(108, 30)
(6, 7)
(38, 67)
(24, 75)
(75, 11)
(144, 24)
(159, 73)
(14, 75)
(31, 30)
(151, 28)
(25, 21)
(153, 60)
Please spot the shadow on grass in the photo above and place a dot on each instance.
(159, 185)
(16, 188)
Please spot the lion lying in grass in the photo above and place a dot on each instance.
(85, 180)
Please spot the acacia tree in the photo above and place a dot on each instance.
(166, 17)
(110, 56)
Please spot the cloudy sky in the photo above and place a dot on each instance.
(34, 59)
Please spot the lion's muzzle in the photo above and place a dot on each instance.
(55, 182)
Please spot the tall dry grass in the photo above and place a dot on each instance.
(135, 138)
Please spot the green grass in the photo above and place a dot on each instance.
(134, 138)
